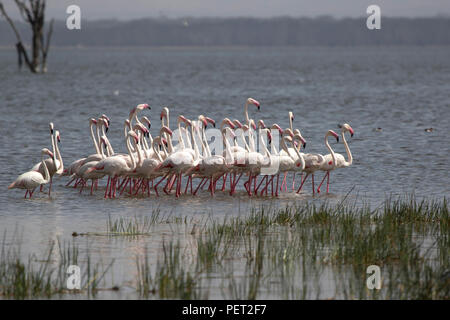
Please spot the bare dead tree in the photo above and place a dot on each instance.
(33, 12)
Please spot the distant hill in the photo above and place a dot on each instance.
(281, 31)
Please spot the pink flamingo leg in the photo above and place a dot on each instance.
(283, 183)
(328, 182)
(156, 185)
(276, 190)
(259, 185)
(303, 182)
(70, 182)
(199, 185)
(326, 175)
(107, 185)
(50, 187)
(312, 177)
(224, 181)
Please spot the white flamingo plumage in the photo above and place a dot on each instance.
(32, 179)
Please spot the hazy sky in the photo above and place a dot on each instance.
(130, 9)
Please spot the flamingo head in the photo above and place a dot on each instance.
(300, 139)
(237, 123)
(45, 151)
(104, 122)
(164, 113)
(231, 124)
(289, 132)
(254, 102)
(346, 127)
(92, 121)
(228, 131)
(209, 120)
(142, 106)
(147, 121)
(58, 137)
(291, 115)
(104, 116)
(133, 134)
(51, 127)
(228, 122)
(252, 124)
(141, 128)
(332, 133)
(276, 126)
(261, 124)
(165, 129)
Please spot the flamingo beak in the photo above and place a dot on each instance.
(351, 132)
(211, 121)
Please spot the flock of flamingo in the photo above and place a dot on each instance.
(152, 161)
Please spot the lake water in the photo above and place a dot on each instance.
(402, 90)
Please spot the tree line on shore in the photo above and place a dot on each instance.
(280, 31)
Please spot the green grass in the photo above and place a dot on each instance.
(43, 277)
(300, 251)
(288, 250)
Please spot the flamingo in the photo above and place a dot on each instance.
(53, 165)
(117, 166)
(212, 167)
(179, 162)
(32, 179)
(314, 162)
(336, 160)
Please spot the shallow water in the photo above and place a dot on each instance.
(402, 90)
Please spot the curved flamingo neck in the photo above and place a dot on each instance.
(263, 144)
(94, 140)
(300, 156)
(347, 149)
(58, 154)
(130, 152)
(205, 142)
(180, 133)
(196, 152)
(251, 138)
(284, 146)
(228, 154)
(46, 173)
(330, 149)
(247, 120)
(155, 144)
